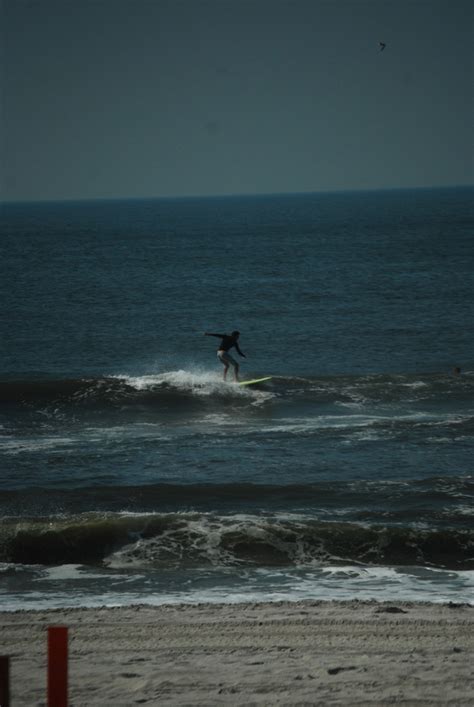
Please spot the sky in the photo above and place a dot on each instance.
(152, 98)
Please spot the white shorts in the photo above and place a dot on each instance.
(225, 358)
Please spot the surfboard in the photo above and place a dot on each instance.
(255, 380)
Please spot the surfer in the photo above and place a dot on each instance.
(228, 342)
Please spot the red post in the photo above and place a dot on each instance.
(57, 666)
(4, 681)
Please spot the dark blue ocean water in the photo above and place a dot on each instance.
(129, 471)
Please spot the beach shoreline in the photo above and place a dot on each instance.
(287, 653)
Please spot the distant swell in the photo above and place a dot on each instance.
(436, 501)
(193, 539)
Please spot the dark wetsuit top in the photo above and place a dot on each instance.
(227, 343)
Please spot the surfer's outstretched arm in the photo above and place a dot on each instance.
(219, 336)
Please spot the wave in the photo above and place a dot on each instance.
(179, 385)
(167, 388)
(51, 414)
(172, 540)
(383, 496)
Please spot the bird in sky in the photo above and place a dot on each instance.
(382, 46)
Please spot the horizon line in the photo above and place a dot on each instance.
(230, 195)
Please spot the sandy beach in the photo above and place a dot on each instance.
(307, 653)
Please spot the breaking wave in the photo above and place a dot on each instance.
(171, 540)
(115, 390)
(179, 385)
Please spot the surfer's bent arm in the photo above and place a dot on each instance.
(219, 336)
(239, 351)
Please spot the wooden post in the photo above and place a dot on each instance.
(57, 666)
(4, 681)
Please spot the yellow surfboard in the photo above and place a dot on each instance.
(255, 380)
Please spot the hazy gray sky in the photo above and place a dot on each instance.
(131, 98)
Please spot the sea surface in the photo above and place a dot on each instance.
(131, 472)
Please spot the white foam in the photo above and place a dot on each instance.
(415, 384)
(26, 444)
(323, 422)
(75, 572)
(153, 430)
(198, 382)
(467, 510)
(92, 435)
(329, 583)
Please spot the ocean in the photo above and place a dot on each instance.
(130, 472)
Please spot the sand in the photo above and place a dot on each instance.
(307, 653)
